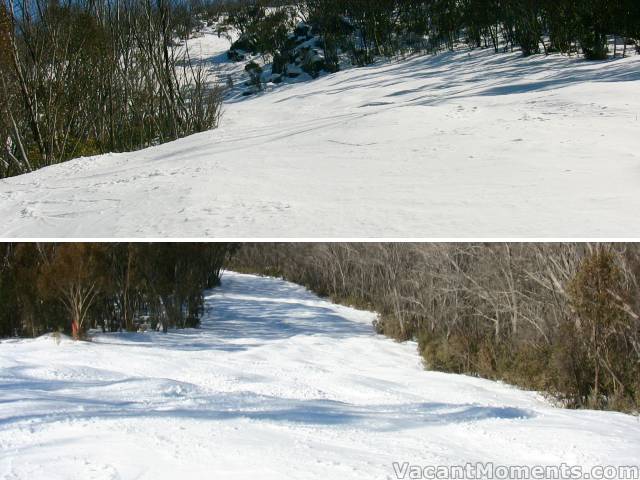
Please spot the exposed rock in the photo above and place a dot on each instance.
(311, 61)
(293, 71)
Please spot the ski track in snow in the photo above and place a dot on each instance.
(277, 383)
(464, 144)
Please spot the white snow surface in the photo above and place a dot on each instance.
(463, 144)
(277, 383)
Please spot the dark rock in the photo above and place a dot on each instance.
(311, 61)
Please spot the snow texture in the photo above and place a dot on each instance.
(277, 383)
(463, 144)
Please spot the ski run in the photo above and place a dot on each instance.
(277, 383)
(462, 144)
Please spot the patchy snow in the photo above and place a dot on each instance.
(276, 384)
(463, 144)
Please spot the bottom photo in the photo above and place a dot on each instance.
(320, 360)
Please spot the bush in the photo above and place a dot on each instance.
(255, 74)
(514, 312)
(599, 297)
(594, 46)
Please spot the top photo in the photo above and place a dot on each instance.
(333, 119)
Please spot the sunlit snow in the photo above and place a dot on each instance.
(462, 144)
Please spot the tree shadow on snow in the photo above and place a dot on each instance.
(477, 73)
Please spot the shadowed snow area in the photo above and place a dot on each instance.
(463, 144)
(277, 383)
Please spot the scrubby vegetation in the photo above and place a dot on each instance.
(562, 318)
(71, 287)
(87, 77)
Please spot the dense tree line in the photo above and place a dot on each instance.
(82, 77)
(366, 29)
(560, 318)
(71, 287)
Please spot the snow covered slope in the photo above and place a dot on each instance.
(277, 384)
(457, 145)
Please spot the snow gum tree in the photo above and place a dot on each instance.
(118, 286)
(365, 29)
(599, 296)
(72, 274)
(89, 77)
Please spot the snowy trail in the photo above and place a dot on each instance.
(277, 383)
(457, 145)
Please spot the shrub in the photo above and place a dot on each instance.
(598, 296)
